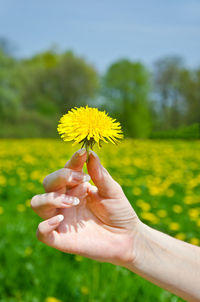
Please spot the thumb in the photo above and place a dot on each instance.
(77, 160)
(107, 186)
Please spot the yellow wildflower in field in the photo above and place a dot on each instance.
(143, 205)
(84, 290)
(195, 241)
(52, 299)
(89, 126)
(1, 210)
(2, 180)
(194, 213)
(137, 191)
(177, 208)
(174, 226)
(78, 258)
(150, 217)
(189, 199)
(154, 191)
(21, 207)
(28, 251)
(162, 213)
(180, 236)
(28, 203)
(170, 193)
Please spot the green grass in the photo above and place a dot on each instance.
(155, 176)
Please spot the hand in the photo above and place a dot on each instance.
(103, 226)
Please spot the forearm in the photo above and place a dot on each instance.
(169, 263)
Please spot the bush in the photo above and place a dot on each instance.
(186, 132)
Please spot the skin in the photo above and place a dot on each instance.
(103, 226)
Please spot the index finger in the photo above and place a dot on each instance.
(58, 180)
(64, 177)
(77, 160)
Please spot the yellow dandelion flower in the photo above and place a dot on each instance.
(28, 203)
(88, 126)
(1, 210)
(28, 251)
(180, 236)
(143, 205)
(137, 191)
(52, 299)
(78, 258)
(162, 213)
(84, 290)
(195, 241)
(177, 208)
(174, 226)
(21, 207)
(149, 217)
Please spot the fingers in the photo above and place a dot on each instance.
(77, 160)
(46, 205)
(107, 186)
(64, 177)
(80, 190)
(45, 231)
(58, 180)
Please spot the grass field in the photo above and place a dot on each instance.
(160, 178)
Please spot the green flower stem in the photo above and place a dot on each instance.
(87, 150)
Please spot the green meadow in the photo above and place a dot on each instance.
(161, 180)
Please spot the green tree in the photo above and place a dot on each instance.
(53, 83)
(126, 87)
(189, 88)
(166, 77)
(9, 101)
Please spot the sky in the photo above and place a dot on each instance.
(103, 31)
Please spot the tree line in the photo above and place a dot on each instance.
(35, 92)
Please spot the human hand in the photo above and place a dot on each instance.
(103, 226)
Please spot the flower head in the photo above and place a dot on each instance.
(89, 126)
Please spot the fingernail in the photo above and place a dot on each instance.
(96, 157)
(60, 217)
(56, 219)
(94, 154)
(76, 201)
(93, 189)
(86, 178)
(68, 200)
(77, 176)
(81, 151)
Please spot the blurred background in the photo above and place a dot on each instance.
(138, 60)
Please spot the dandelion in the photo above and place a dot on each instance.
(149, 217)
(52, 299)
(28, 251)
(28, 203)
(137, 191)
(21, 207)
(177, 208)
(180, 236)
(143, 205)
(88, 126)
(195, 241)
(78, 258)
(162, 213)
(174, 226)
(84, 290)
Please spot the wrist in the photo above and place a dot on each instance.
(136, 247)
(128, 246)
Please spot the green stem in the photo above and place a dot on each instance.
(87, 150)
